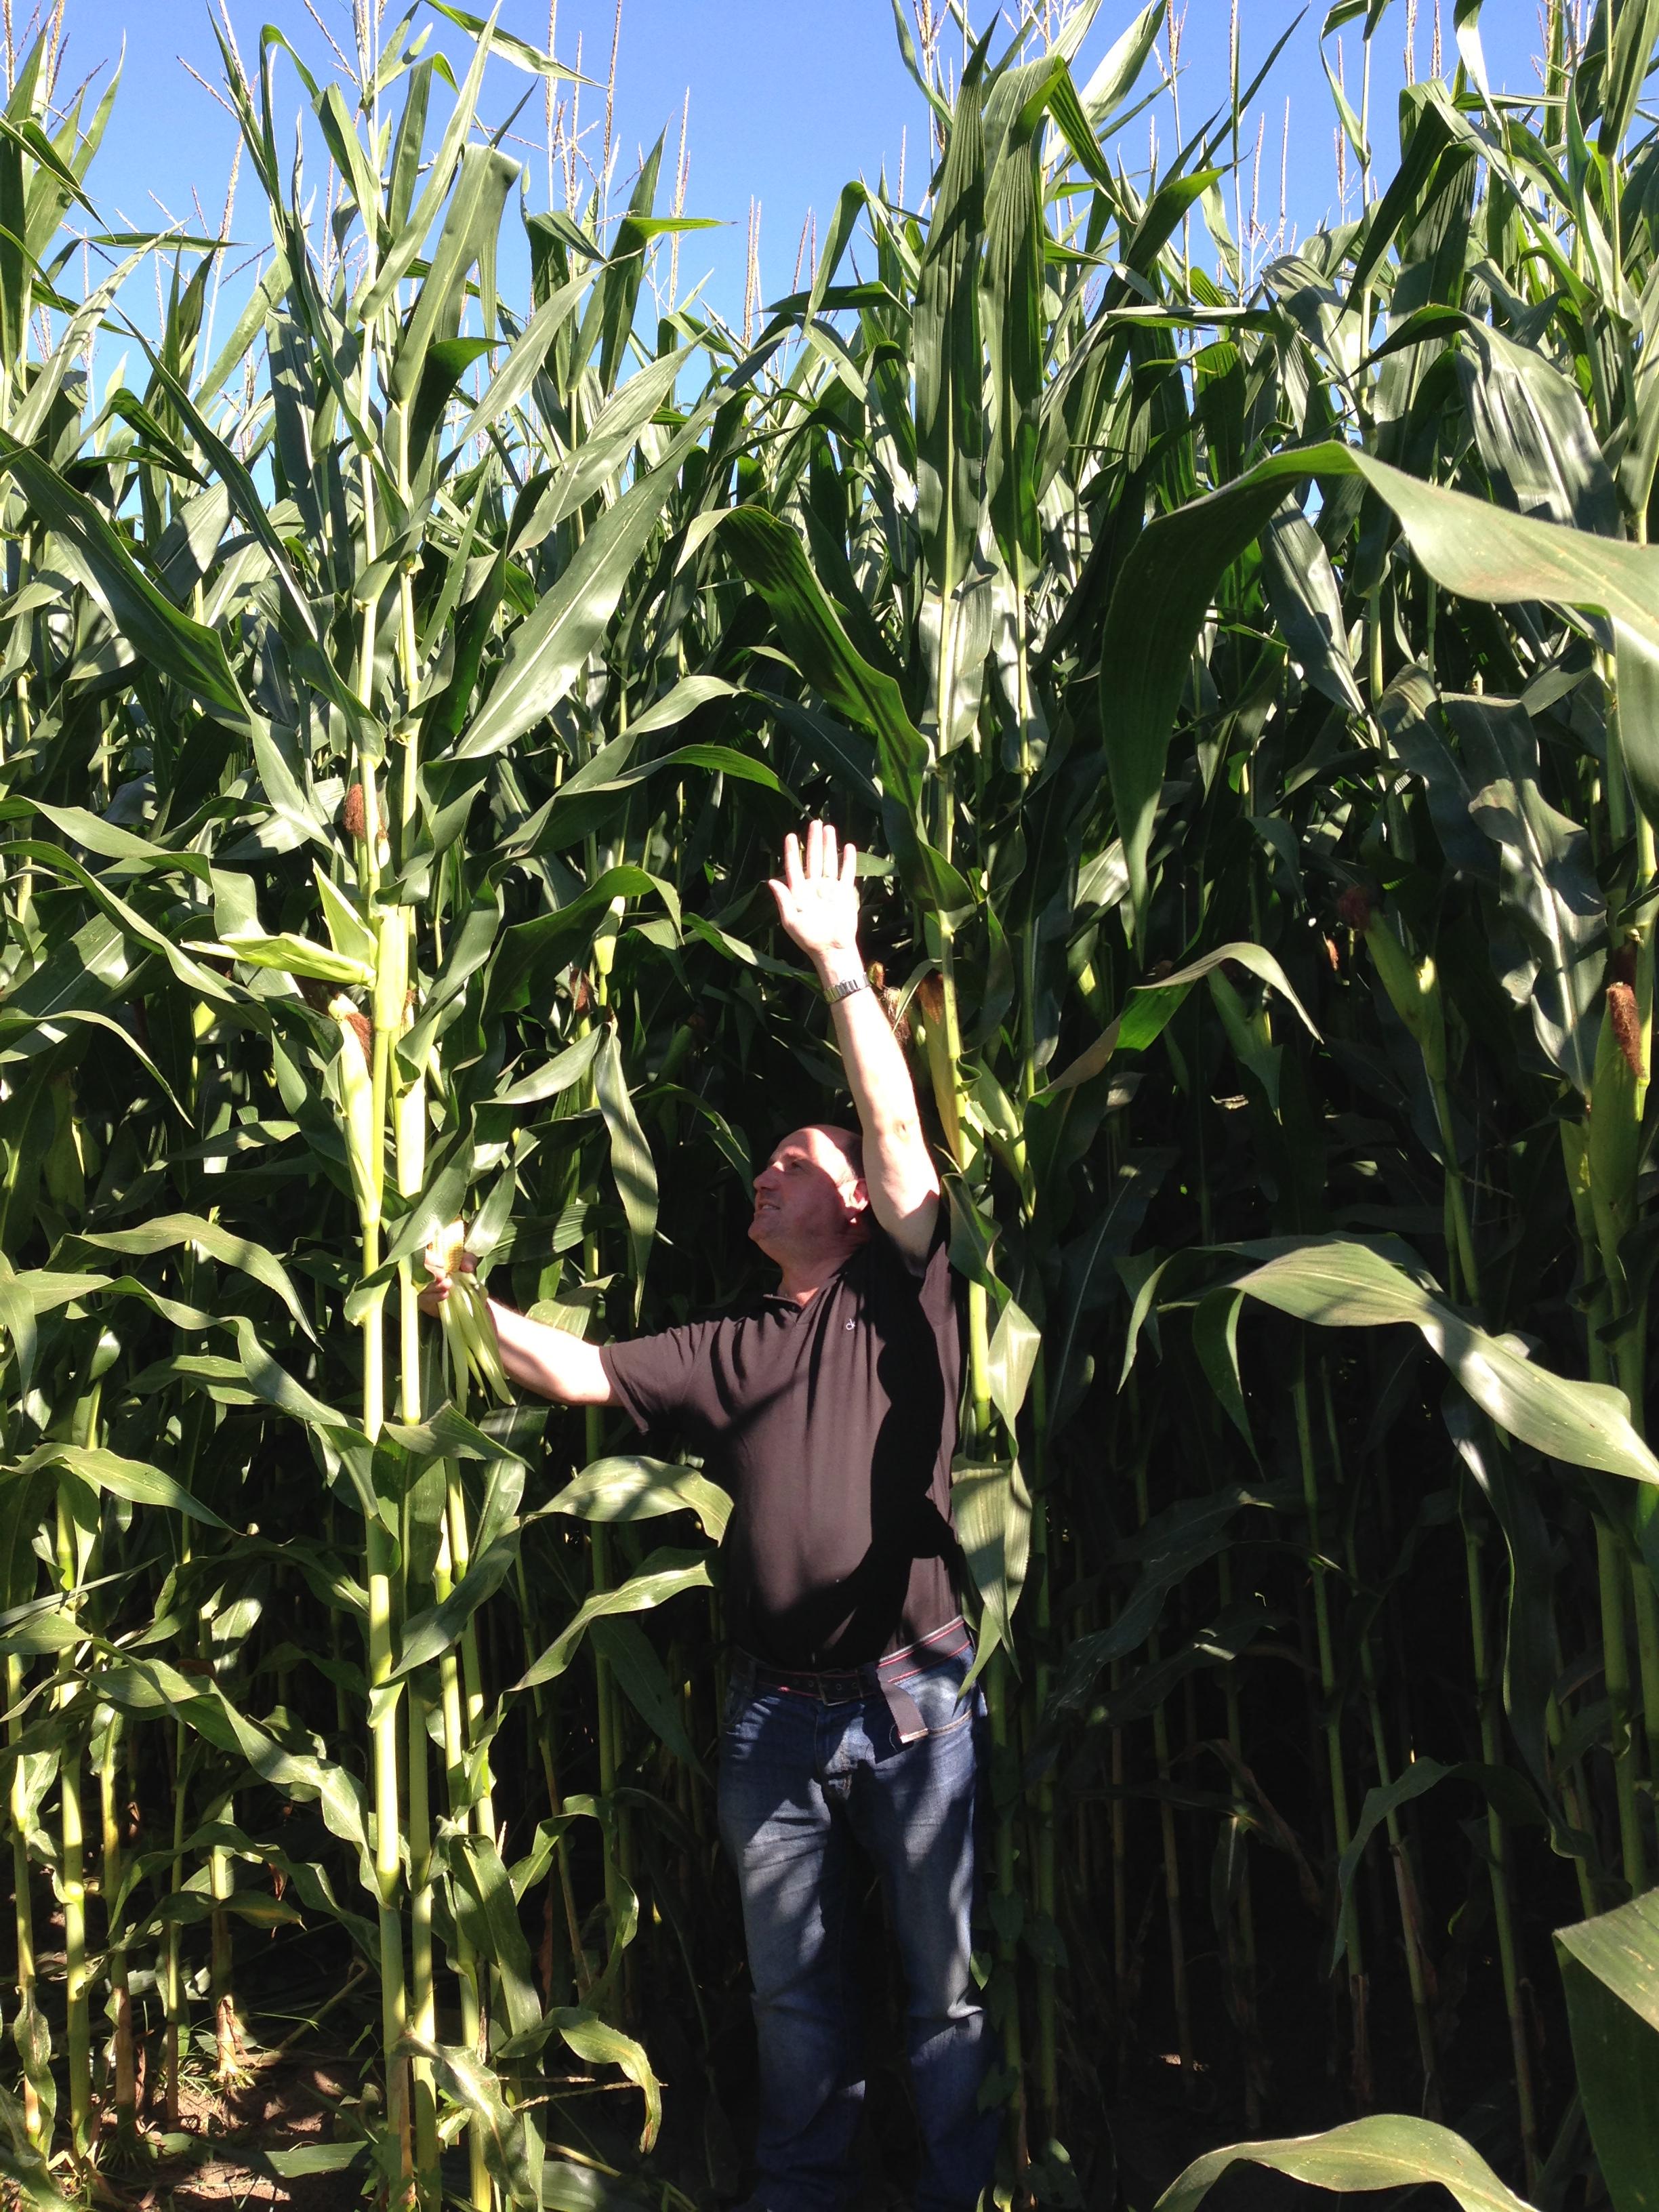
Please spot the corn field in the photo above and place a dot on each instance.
(1241, 658)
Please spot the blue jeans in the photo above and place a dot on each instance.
(802, 1782)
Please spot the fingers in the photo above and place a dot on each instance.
(438, 1288)
(823, 861)
(849, 862)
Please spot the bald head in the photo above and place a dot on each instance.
(847, 1142)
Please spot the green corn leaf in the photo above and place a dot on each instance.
(568, 2188)
(1153, 1006)
(1120, 67)
(21, 2162)
(1215, 1340)
(948, 359)
(1011, 307)
(240, 488)
(201, 981)
(630, 1487)
(1533, 433)
(614, 300)
(604, 454)
(774, 560)
(109, 841)
(1504, 1789)
(1015, 1342)
(664, 1575)
(1172, 1547)
(518, 52)
(1345, 1286)
(553, 940)
(185, 1911)
(24, 1296)
(86, 971)
(1307, 605)
(1610, 1968)
(551, 646)
(314, 2158)
(51, 1632)
(525, 358)
(293, 955)
(631, 1163)
(1550, 953)
(643, 1679)
(133, 1480)
(138, 1681)
(472, 222)
(1219, 1643)
(212, 1240)
(992, 1508)
(555, 1077)
(1088, 1277)
(1382, 2152)
(908, 48)
(502, 2132)
(340, 137)
(1618, 59)
(429, 1635)
(488, 1913)
(1170, 578)
(393, 265)
(601, 2044)
(95, 556)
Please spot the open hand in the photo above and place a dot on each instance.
(818, 901)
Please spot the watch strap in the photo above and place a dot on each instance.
(845, 988)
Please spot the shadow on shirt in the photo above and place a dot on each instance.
(882, 1602)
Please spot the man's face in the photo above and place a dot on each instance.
(807, 1197)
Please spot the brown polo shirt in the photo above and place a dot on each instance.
(832, 1425)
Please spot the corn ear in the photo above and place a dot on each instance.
(1413, 990)
(469, 1332)
(356, 1091)
(604, 937)
(391, 971)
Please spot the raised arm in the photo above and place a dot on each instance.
(548, 1361)
(818, 905)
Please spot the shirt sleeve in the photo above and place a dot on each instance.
(656, 1378)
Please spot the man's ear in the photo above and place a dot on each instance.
(858, 1199)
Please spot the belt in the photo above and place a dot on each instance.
(880, 1677)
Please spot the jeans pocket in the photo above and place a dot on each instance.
(739, 1697)
(936, 1693)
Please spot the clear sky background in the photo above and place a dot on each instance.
(789, 98)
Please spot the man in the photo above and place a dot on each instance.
(830, 1413)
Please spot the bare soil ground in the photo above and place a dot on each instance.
(293, 2105)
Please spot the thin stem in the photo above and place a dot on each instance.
(32, 2038)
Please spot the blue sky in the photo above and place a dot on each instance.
(789, 98)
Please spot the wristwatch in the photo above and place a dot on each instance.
(845, 990)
